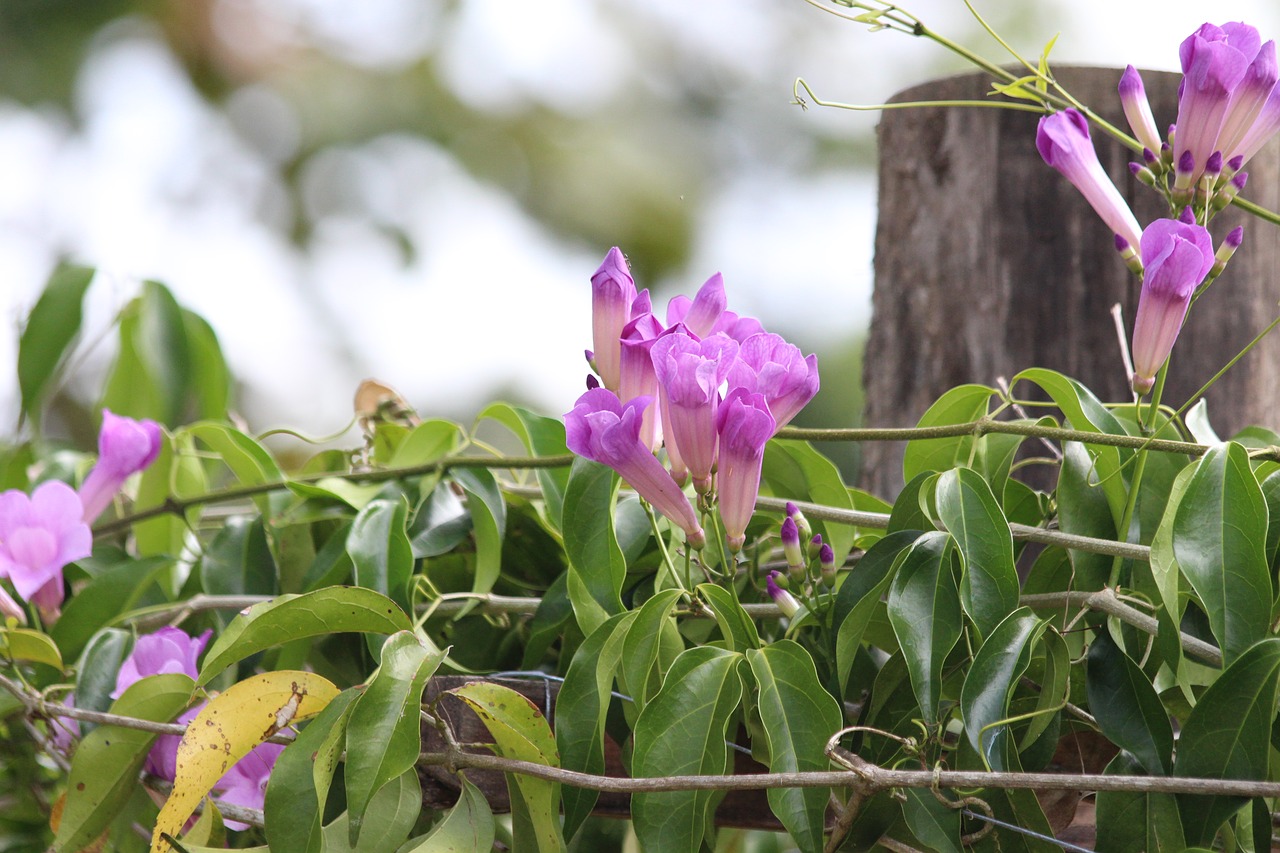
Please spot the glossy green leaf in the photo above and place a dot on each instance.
(1219, 539)
(331, 610)
(924, 609)
(541, 436)
(299, 783)
(152, 371)
(581, 708)
(908, 512)
(488, 523)
(548, 622)
(428, 441)
(1271, 494)
(1136, 821)
(104, 771)
(103, 599)
(682, 731)
(989, 684)
(520, 731)
(175, 473)
(467, 828)
(1083, 510)
(24, 644)
(440, 523)
(798, 716)
(737, 628)
(332, 564)
(238, 561)
(597, 568)
(1225, 736)
(48, 332)
(1127, 708)
(794, 469)
(1055, 690)
(250, 462)
(859, 597)
(97, 668)
(384, 731)
(960, 405)
(934, 824)
(210, 378)
(380, 551)
(1085, 412)
(641, 672)
(989, 583)
(389, 819)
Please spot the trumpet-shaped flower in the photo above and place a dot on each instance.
(603, 429)
(612, 293)
(125, 447)
(775, 368)
(39, 536)
(690, 373)
(1176, 256)
(638, 378)
(1215, 61)
(1063, 141)
(744, 425)
(1137, 109)
(700, 314)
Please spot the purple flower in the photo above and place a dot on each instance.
(744, 425)
(1137, 109)
(1215, 61)
(786, 601)
(608, 431)
(1176, 256)
(245, 784)
(1063, 141)
(1264, 127)
(125, 447)
(612, 292)
(776, 369)
(39, 535)
(638, 378)
(690, 373)
(700, 314)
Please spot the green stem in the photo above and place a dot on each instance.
(1140, 465)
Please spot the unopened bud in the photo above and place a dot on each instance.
(815, 545)
(1228, 193)
(1226, 250)
(1129, 255)
(802, 523)
(796, 564)
(827, 561)
(776, 585)
(1143, 174)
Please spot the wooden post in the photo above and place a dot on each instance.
(988, 262)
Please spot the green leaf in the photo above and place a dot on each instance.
(1219, 539)
(176, 473)
(521, 732)
(542, 436)
(299, 783)
(1134, 821)
(984, 698)
(1271, 494)
(48, 332)
(924, 609)
(1083, 511)
(152, 373)
(249, 461)
(798, 717)
(682, 731)
(737, 628)
(1127, 708)
(581, 708)
(793, 468)
(859, 597)
(210, 378)
(389, 819)
(238, 561)
(989, 585)
(961, 405)
(97, 668)
(488, 523)
(428, 441)
(548, 622)
(1226, 734)
(641, 669)
(597, 568)
(380, 550)
(104, 771)
(102, 600)
(467, 828)
(931, 822)
(440, 524)
(286, 618)
(27, 645)
(1055, 690)
(908, 511)
(384, 732)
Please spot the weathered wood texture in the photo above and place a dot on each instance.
(988, 262)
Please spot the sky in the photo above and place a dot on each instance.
(147, 180)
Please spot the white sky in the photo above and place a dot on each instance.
(153, 183)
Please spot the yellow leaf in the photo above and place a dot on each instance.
(227, 729)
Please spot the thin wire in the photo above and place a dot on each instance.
(1065, 845)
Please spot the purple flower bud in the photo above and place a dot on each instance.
(39, 536)
(1143, 174)
(793, 512)
(827, 562)
(125, 447)
(786, 602)
(1176, 256)
(815, 545)
(1228, 248)
(1235, 237)
(690, 373)
(1129, 255)
(608, 431)
(791, 548)
(612, 292)
(592, 381)
(744, 425)
(1063, 141)
(1214, 166)
(1137, 109)
(1150, 157)
(1187, 217)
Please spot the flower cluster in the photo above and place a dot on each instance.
(708, 386)
(42, 532)
(171, 650)
(1228, 107)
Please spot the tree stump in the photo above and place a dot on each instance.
(988, 262)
